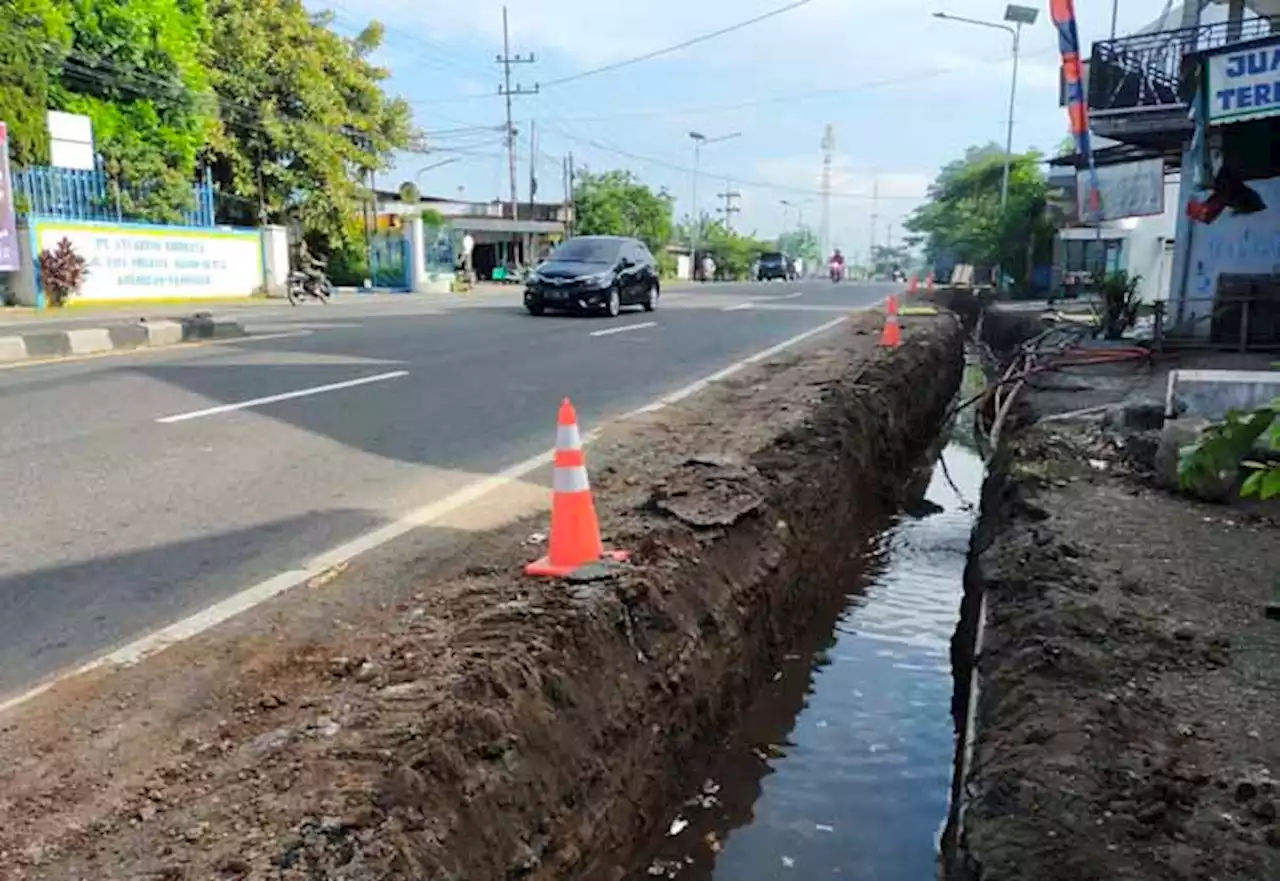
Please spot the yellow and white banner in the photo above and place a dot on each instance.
(142, 262)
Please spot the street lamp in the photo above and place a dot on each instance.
(699, 141)
(421, 171)
(1019, 16)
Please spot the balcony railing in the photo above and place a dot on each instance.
(1145, 70)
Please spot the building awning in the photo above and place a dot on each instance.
(503, 225)
(1116, 155)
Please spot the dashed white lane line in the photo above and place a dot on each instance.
(737, 307)
(257, 594)
(624, 328)
(286, 396)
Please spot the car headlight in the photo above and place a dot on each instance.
(599, 280)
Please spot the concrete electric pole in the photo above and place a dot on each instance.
(506, 59)
(729, 208)
(828, 154)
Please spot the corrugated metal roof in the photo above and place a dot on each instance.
(496, 224)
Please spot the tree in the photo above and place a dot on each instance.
(304, 118)
(885, 259)
(801, 243)
(962, 219)
(137, 69)
(733, 252)
(34, 37)
(615, 203)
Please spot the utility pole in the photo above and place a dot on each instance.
(533, 164)
(828, 151)
(573, 198)
(875, 205)
(506, 59)
(729, 208)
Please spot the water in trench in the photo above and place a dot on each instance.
(842, 766)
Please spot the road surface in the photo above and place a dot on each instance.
(138, 489)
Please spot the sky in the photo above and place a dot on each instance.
(905, 93)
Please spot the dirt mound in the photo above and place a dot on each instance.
(1130, 681)
(488, 726)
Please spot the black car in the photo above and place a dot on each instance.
(594, 274)
(775, 266)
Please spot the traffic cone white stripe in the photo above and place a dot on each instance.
(570, 480)
(568, 437)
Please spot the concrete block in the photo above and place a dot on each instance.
(128, 336)
(89, 340)
(1209, 394)
(49, 344)
(163, 333)
(13, 348)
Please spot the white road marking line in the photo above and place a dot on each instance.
(738, 307)
(257, 594)
(790, 296)
(286, 396)
(624, 329)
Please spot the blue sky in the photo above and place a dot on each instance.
(905, 92)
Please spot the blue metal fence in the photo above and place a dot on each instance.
(72, 194)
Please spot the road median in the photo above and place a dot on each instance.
(451, 718)
(18, 346)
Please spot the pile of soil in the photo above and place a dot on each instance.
(473, 723)
(1130, 680)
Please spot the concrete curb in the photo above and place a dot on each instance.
(143, 334)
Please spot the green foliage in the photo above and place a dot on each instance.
(138, 70)
(1229, 445)
(801, 243)
(62, 272)
(615, 203)
(733, 252)
(304, 116)
(1120, 302)
(885, 259)
(962, 219)
(409, 192)
(34, 36)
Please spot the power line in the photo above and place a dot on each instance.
(729, 209)
(678, 46)
(684, 169)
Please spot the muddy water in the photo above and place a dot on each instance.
(843, 765)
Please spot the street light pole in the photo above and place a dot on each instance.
(1018, 15)
(699, 140)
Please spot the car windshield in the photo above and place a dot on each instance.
(588, 251)
(771, 258)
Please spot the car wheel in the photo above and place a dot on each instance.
(651, 299)
(535, 311)
(614, 308)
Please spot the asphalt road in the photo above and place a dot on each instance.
(141, 488)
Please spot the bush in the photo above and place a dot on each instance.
(1120, 302)
(62, 272)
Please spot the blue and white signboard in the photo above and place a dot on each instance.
(1244, 83)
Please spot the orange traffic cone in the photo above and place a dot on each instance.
(915, 283)
(891, 336)
(575, 532)
(930, 282)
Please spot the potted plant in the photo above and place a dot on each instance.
(1120, 302)
(62, 272)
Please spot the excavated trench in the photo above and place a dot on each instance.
(770, 679)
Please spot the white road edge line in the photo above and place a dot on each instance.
(737, 307)
(286, 396)
(259, 593)
(624, 329)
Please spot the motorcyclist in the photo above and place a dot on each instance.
(311, 266)
(837, 263)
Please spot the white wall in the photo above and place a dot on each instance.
(1146, 247)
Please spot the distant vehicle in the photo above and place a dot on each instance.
(594, 274)
(836, 270)
(775, 266)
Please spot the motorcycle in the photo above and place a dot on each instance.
(837, 271)
(305, 287)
